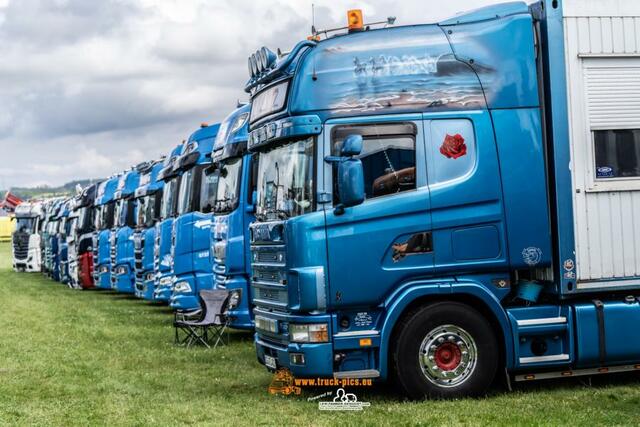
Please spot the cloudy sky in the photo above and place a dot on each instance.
(88, 88)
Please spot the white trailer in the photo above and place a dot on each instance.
(602, 55)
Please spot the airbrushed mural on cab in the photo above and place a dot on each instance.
(412, 69)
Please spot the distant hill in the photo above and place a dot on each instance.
(68, 189)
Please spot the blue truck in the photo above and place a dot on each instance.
(121, 239)
(104, 218)
(64, 229)
(432, 210)
(191, 231)
(234, 211)
(162, 255)
(149, 200)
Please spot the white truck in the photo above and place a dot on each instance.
(25, 246)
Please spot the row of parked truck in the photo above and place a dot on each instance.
(158, 230)
(440, 204)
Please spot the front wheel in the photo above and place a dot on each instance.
(444, 350)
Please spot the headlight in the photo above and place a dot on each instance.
(234, 298)
(182, 287)
(104, 269)
(166, 281)
(310, 332)
(150, 277)
(121, 270)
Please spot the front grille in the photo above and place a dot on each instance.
(95, 255)
(113, 252)
(20, 245)
(221, 281)
(138, 254)
(156, 250)
(269, 277)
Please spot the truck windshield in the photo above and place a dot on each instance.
(208, 190)
(169, 200)
(146, 211)
(185, 196)
(125, 213)
(25, 224)
(85, 219)
(120, 205)
(107, 216)
(285, 181)
(71, 228)
(228, 190)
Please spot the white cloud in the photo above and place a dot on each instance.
(90, 88)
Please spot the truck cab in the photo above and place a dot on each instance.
(65, 222)
(55, 225)
(191, 231)
(122, 250)
(149, 201)
(233, 212)
(104, 220)
(80, 239)
(26, 237)
(49, 253)
(427, 198)
(162, 253)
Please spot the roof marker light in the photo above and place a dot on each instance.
(354, 20)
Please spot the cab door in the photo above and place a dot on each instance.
(376, 245)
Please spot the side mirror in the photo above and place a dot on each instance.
(350, 184)
(351, 146)
(254, 201)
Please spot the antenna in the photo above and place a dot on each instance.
(313, 19)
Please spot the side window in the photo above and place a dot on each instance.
(388, 157)
(453, 148)
(617, 153)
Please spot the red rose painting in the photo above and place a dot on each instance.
(453, 146)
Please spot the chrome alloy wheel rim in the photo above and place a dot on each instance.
(448, 356)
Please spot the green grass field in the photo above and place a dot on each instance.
(87, 358)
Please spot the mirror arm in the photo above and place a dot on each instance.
(333, 159)
(338, 210)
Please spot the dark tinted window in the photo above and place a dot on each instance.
(617, 153)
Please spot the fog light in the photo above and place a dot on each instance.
(166, 281)
(296, 358)
(182, 287)
(311, 332)
(234, 299)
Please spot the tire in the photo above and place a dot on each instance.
(444, 350)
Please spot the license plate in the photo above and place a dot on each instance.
(270, 362)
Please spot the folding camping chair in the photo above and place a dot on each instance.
(211, 325)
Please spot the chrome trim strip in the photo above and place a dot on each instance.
(370, 332)
(365, 373)
(543, 321)
(538, 359)
(576, 373)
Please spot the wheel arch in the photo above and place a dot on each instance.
(471, 293)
